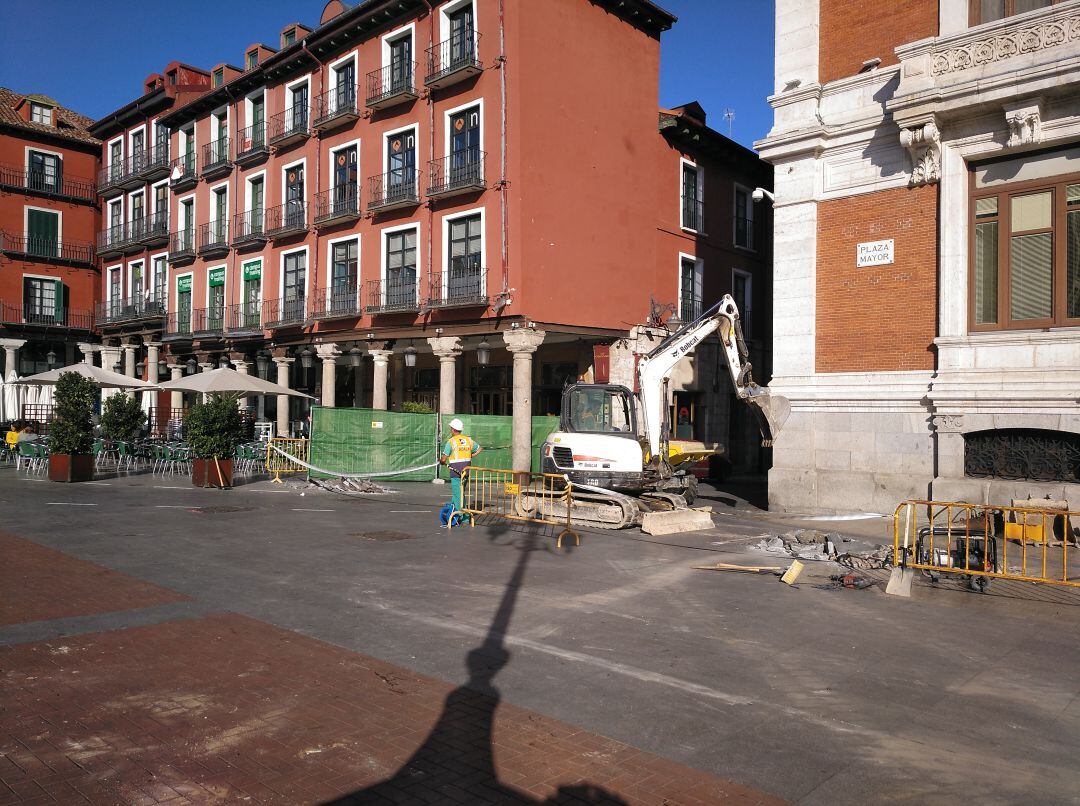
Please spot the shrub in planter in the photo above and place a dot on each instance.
(213, 430)
(412, 407)
(121, 418)
(71, 437)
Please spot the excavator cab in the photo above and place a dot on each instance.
(599, 409)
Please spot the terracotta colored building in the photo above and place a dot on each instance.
(48, 217)
(927, 252)
(454, 206)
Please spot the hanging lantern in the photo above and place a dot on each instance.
(139, 368)
(224, 362)
(192, 366)
(51, 359)
(162, 368)
(262, 361)
(410, 356)
(483, 353)
(307, 358)
(355, 357)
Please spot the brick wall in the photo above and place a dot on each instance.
(879, 318)
(853, 31)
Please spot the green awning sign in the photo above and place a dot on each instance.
(183, 284)
(217, 276)
(253, 270)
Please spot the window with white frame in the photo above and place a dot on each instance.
(43, 300)
(400, 280)
(40, 113)
(44, 171)
(693, 207)
(691, 277)
(159, 281)
(344, 275)
(464, 261)
(744, 218)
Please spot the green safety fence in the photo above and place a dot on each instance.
(371, 441)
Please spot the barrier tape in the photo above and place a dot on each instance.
(340, 475)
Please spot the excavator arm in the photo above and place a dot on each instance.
(655, 369)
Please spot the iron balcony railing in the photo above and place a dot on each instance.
(178, 324)
(14, 177)
(183, 172)
(336, 106)
(215, 157)
(289, 126)
(453, 59)
(396, 293)
(182, 245)
(337, 302)
(286, 219)
(35, 315)
(397, 188)
(214, 237)
(249, 227)
(252, 144)
(337, 204)
(284, 312)
(151, 229)
(461, 172)
(208, 321)
(112, 178)
(392, 84)
(693, 214)
(113, 239)
(744, 232)
(50, 250)
(463, 285)
(153, 162)
(244, 317)
(127, 309)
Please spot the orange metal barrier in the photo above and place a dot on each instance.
(986, 541)
(277, 464)
(528, 497)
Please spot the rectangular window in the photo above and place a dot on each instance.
(401, 66)
(401, 269)
(464, 276)
(989, 10)
(252, 293)
(42, 233)
(298, 116)
(137, 213)
(218, 226)
(161, 278)
(43, 300)
(344, 275)
(288, 38)
(136, 289)
(44, 172)
(116, 291)
(691, 198)
(345, 86)
(744, 219)
(252, 59)
(39, 113)
(401, 165)
(1025, 255)
(257, 202)
(138, 150)
(461, 36)
(215, 299)
(690, 290)
(219, 77)
(116, 160)
(295, 275)
(183, 304)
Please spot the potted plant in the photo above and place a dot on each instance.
(213, 430)
(71, 437)
(122, 418)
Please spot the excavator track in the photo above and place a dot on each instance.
(601, 508)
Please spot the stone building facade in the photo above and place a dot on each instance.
(927, 251)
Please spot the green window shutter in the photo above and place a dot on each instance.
(43, 230)
(59, 291)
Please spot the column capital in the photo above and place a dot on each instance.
(445, 347)
(241, 365)
(381, 356)
(12, 344)
(175, 367)
(327, 352)
(384, 344)
(154, 344)
(206, 366)
(284, 360)
(88, 350)
(523, 340)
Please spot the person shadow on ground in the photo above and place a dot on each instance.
(456, 762)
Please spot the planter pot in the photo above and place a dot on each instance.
(204, 473)
(67, 467)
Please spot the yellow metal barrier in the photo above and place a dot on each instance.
(986, 541)
(277, 464)
(528, 497)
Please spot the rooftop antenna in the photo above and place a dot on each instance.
(729, 116)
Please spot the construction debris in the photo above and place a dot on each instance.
(810, 544)
(792, 573)
(349, 486)
(751, 569)
(676, 521)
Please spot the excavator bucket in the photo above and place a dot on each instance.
(771, 412)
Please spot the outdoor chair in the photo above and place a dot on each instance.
(27, 456)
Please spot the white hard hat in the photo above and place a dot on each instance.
(457, 425)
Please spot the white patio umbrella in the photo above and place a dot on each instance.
(14, 395)
(226, 381)
(104, 378)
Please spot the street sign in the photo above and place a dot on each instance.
(874, 253)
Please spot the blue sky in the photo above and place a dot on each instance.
(720, 53)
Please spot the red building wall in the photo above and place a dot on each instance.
(852, 31)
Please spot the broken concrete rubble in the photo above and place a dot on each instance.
(810, 544)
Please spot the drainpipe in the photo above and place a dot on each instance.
(431, 142)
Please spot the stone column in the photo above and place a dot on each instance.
(110, 355)
(129, 358)
(283, 365)
(88, 351)
(329, 354)
(11, 347)
(381, 357)
(153, 355)
(241, 366)
(447, 349)
(176, 399)
(398, 384)
(522, 344)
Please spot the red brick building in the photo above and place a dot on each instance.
(405, 201)
(48, 217)
(926, 252)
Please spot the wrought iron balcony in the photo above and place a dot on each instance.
(214, 238)
(244, 318)
(453, 60)
(394, 190)
(48, 250)
(337, 205)
(462, 172)
(183, 173)
(249, 228)
(154, 162)
(286, 219)
(336, 108)
(208, 323)
(463, 286)
(17, 178)
(31, 315)
(278, 313)
(336, 303)
(178, 326)
(744, 232)
(113, 241)
(394, 295)
(152, 230)
(128, 177)
(289, 127)
(392, 85)
(215, 158)
(131, 309)
(182, 246)
(693, 214)
(251, 145)
(111, 178)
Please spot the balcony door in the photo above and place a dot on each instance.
(138, 150)
(294, 197)
(161, 277)
(115, 292)
(136, 283)
(44, 172)
(343, 278)
(345, 180)
(464, 260)
(295, 286)
(401, 64)
(116, 160)
(161, 209)
(138, 210)
(255, 210)
(298, 116)
(188, 210)
(161, 143)
(43, 301)
(42, 233)
(401, 165)
(220, 217)
(215, 301)
(401, 269)
(461, 36)
(345, 86)
(465, 146)
(258, 116)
